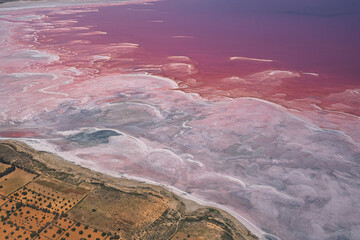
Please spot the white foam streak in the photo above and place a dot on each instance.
(250, 59)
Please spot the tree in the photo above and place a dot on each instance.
(18, 205)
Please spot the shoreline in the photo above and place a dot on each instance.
(183, 195)
(112, 180)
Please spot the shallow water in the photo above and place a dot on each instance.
(252, 105)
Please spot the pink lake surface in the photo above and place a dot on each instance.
(249, 105)
(318, 41)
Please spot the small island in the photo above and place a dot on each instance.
(43, 196)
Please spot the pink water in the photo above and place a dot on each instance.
(322, 42)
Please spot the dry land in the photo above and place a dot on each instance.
(45, 197)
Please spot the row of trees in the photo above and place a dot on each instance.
(7, 171)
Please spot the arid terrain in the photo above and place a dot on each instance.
(45, 197)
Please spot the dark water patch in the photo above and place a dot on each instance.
(93, 138)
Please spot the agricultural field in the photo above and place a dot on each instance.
(34, 207)
(64, 223)
(8, 230)
(53, 195)
(14, 180)
(30, 218)
(52, 232)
